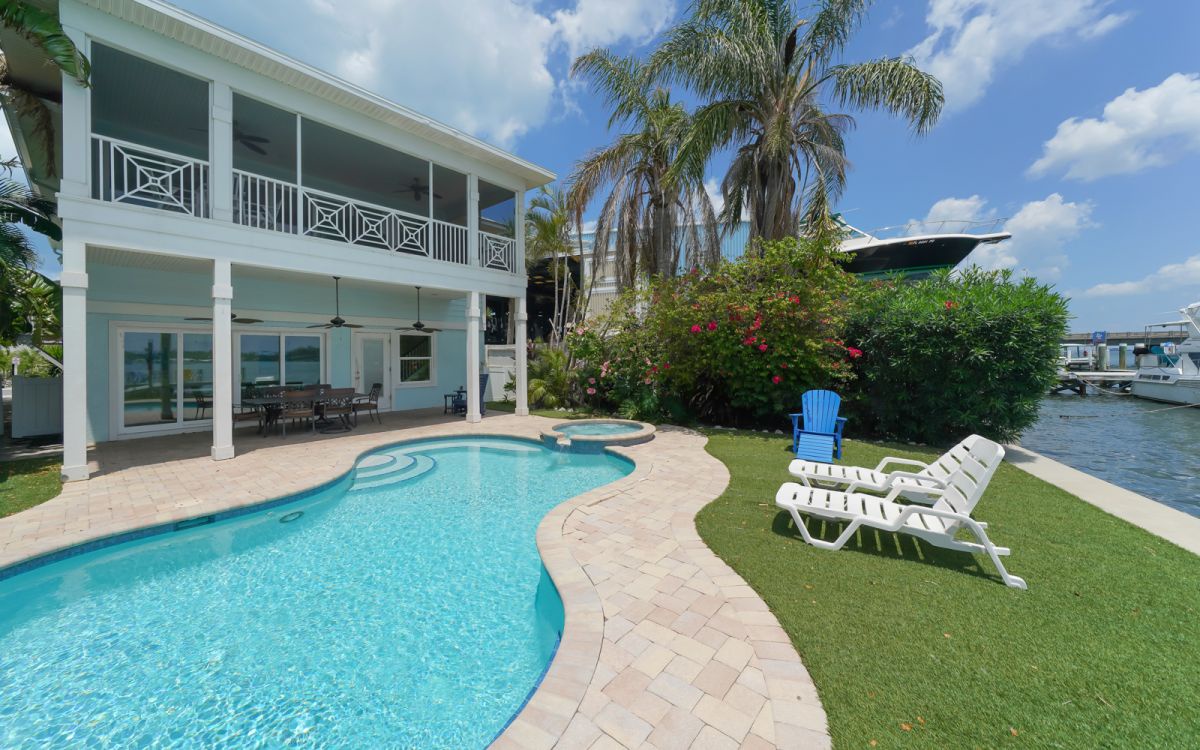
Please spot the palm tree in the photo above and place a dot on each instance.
(548, 228)
(41, 29)
(29, 302)
(654, 215)
(768, 77)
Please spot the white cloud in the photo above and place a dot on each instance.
(972, 39)
(488, 67)
(952, 214)
(1040, 230)
(1138, 130)
(1172, 275)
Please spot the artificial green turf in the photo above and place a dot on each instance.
(914, 646)
(26, 483)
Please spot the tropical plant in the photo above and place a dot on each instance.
(648, 217)
(29, 302)
(951, 355)
(736, 345)
(43, 30)
(768, 76)
(550, 378)
(549, 224)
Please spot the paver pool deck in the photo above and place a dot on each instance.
(664, 646)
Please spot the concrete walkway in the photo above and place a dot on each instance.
(664, 645)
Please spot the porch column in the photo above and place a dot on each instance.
(74, 283)
(473, 317)
(473, 219)
(221, 176)
(222, 296)
(522, 356)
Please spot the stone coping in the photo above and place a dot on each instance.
(664, 645)
(1175, 526)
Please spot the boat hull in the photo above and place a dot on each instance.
(1179, 392)
(914, 257)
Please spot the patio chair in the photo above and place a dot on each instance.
(338, 405)
(300, 406)
(820, 437)
(937, 525)
(369, 403)
(921, 476)
(200, 400)
(243, 414)
(459, 402)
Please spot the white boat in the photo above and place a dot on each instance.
(1171, 373)
(915, 249)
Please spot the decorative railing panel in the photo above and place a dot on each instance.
(497, 252)
(332, 217)
(138, 175)
(264, 203)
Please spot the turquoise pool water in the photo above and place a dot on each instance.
(598, 428)
(407, 608)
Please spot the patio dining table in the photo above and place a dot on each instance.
(272, 407)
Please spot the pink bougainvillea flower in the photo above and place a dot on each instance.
(951, 304)
(591, 391)
(696, 328)
(750, 340)
(776, 380)
(712, 325)
(783, 365)
(795, 300)
(666, 365)
(647, 381)
(591, 381)
(654, 368)
(762, 347)
(854, 352)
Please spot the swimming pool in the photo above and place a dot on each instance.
(404, 607)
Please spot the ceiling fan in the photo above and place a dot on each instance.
(336, 321)
(235, 317)
(418, 190)
(418, 326)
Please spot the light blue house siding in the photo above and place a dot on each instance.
(121, 296)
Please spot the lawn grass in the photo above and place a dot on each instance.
(28, 482)
(913, 646)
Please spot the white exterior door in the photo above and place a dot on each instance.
(372, 364)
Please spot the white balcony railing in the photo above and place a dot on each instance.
(142, 176)
(497, 252)
(127, 173)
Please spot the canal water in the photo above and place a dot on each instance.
(1140, 445)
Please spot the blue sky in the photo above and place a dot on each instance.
(1077, 121)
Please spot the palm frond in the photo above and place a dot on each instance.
(894, 85)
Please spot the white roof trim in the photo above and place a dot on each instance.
(184, 27)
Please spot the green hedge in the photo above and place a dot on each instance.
(951, 355)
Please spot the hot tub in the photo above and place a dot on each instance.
(593, 435)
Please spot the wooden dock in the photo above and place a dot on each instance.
(1079, 380)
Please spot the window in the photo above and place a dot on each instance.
(135, 100)
(279, 359)
(497, 209)
(264, 139)
(154, 365)
(416, 358)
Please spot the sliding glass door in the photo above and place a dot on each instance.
(166, 379)
(269, 359)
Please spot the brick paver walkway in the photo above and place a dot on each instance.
(664, 647)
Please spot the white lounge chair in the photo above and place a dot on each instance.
(932, 475)
(937, 525)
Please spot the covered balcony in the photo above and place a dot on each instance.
(154, 143)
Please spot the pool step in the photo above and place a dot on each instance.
(381, 463)
(417, 466)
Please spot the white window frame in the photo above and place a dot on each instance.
(116, 382)
(399, 362)
(239, 332)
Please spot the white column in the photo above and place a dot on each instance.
(220, 176)
(473, 219)
(473, 321)
(74, 282)
(222, 296)
(522, 345)
(76, 127)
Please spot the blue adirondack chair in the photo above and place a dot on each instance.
(817, 429)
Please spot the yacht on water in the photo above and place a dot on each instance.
(918, 248)
(1172, 373)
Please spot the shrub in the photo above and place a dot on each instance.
(550, 378)
(956, 354)
(737, 345)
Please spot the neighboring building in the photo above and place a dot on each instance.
(202, 175)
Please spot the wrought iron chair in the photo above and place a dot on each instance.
(369, 403)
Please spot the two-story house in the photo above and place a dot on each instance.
(210, 189)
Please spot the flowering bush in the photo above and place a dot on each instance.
(734, 346)
(952, 355)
